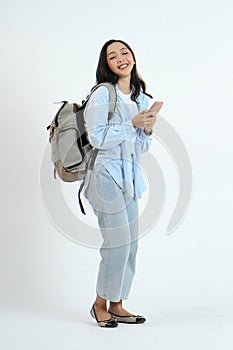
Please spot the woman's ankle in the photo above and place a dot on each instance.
(116, 305)
(100, 303)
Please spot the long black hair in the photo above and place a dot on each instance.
(104, 73)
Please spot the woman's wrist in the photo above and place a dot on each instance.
(148, 132)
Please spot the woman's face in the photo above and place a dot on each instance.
(120, 59)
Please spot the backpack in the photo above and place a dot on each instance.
(70, 147)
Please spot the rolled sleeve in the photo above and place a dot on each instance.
(143, 140)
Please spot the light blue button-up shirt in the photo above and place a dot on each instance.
(120, 144)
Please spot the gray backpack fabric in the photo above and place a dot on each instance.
(70, 147)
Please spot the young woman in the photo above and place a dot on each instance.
(115, 182)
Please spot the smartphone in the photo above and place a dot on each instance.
(157, 105)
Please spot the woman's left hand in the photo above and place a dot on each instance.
(152, 114)
(150, 120)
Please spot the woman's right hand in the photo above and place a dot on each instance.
(144, 119)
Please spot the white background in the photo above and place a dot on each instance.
(183, 284)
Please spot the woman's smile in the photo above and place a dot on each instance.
(123, 66)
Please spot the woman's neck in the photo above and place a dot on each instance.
(124, 85)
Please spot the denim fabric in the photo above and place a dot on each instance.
(119, 229)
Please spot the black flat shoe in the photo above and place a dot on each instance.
(110, 323)
(134, 319)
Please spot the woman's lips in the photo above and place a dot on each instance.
(123, 66)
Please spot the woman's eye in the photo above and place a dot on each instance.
(111, 58)
(124, 53)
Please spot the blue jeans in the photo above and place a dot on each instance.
(118, 222)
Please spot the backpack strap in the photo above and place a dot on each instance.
(79, 198)
(112, 107)
(112, 97)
